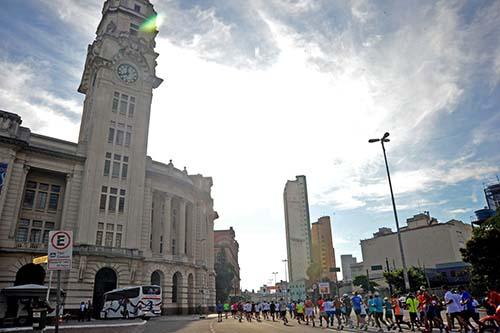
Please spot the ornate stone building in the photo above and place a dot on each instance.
(135, 220)
(225, 242)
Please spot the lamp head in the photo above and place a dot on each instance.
(386, 135)
(373, 140)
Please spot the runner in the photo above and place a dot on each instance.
(389, 318)
(362, 316)
(398, 312)
(468, 311)
(338, 312)
(248, 311)
(226, 309)
(272, 309)
(346, 300)
(300, 311)
(356, 301)
(283, 308)
(219, 307)
(309, 307)
(265, 310)
(322, 313)
(330, 313)
(412, 306)
(371, 310)
(241, 310)
(379, 312)
(234, 310)
(290, 309)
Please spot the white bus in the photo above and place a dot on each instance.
(132, 302)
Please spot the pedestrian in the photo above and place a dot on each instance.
(226, 309)
(219, 308)
(356, 301)
(89, 309)
(388, 312)
(379, 312)
(300, 311)
(283, 308)
(309, 310)
(412, 306)
(81, 314)
(347, 305)
(272, 309)
(337, 304)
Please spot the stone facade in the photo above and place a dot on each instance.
(225, 241)
(426, 242)
(135, 220)
(298, 229)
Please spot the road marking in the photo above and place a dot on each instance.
(212, 326)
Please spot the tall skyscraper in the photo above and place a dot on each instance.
(298, 232)
(346, 261)
(322, 247)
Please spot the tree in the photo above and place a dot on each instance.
(224, 276)
(314, 272)
(482, 251)
(362, 280)
(415, 275)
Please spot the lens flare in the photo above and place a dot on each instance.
(152, 23)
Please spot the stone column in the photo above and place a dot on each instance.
(181, 238)
(167, 222)
(10, 169)
(19, 198)
(156, 225)
(67, 194)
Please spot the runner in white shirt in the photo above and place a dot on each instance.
(453, 307)
(257, 311)
(265, 310)
(248, 311)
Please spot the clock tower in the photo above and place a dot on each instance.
(118, 81)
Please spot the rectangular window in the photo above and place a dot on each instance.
(118, 240)
(35, 235)
(98, 238)
(29, 198)
(119, 137)
(109, 239)
(22, 235)
(53, 201)
(124, 170)
(137, 8)
(107, 166)
(112, 203)
(128, 139)
(119, 227)
(102, 203)
(116, 97)
(111, 135)
(31, 184)
(121, 205)
(55, 188)
(41, 200)
(131, 109)
(123, 106)
(134, 28)
(116, 170)
(100, 226)
(110, 226)
(113, 190)
(43, 187)
(117, 157)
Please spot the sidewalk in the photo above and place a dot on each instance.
(79, 325)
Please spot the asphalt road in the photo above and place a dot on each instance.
(227, 326)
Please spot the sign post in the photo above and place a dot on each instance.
(60, 256)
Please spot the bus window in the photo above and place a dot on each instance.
(150, 290)
(131, 293)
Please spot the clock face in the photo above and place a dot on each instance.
(127, 73)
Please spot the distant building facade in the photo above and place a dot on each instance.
(426, 242)
(225, 242)
(135, 220)
(298, 228)
(346, 261)
(323, 252)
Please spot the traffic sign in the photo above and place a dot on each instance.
(324, 288)
(60, 250)
(40, 260)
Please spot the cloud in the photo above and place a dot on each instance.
(457, 211)
(21, 92)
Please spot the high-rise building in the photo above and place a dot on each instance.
(346, 261)
(297, 225)
(135, 221)
(323, 252)
(226, 248)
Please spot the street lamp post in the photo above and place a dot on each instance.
(275, 291)
(403, 260)
(285, 261)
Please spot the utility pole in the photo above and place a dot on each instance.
(388, 271)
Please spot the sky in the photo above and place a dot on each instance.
(257, 92)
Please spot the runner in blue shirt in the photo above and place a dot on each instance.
(356, 305)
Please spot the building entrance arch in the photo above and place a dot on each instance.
(105, 280)
(30, 274)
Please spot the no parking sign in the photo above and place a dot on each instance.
(60, 250)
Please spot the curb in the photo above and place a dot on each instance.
(64, 327)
